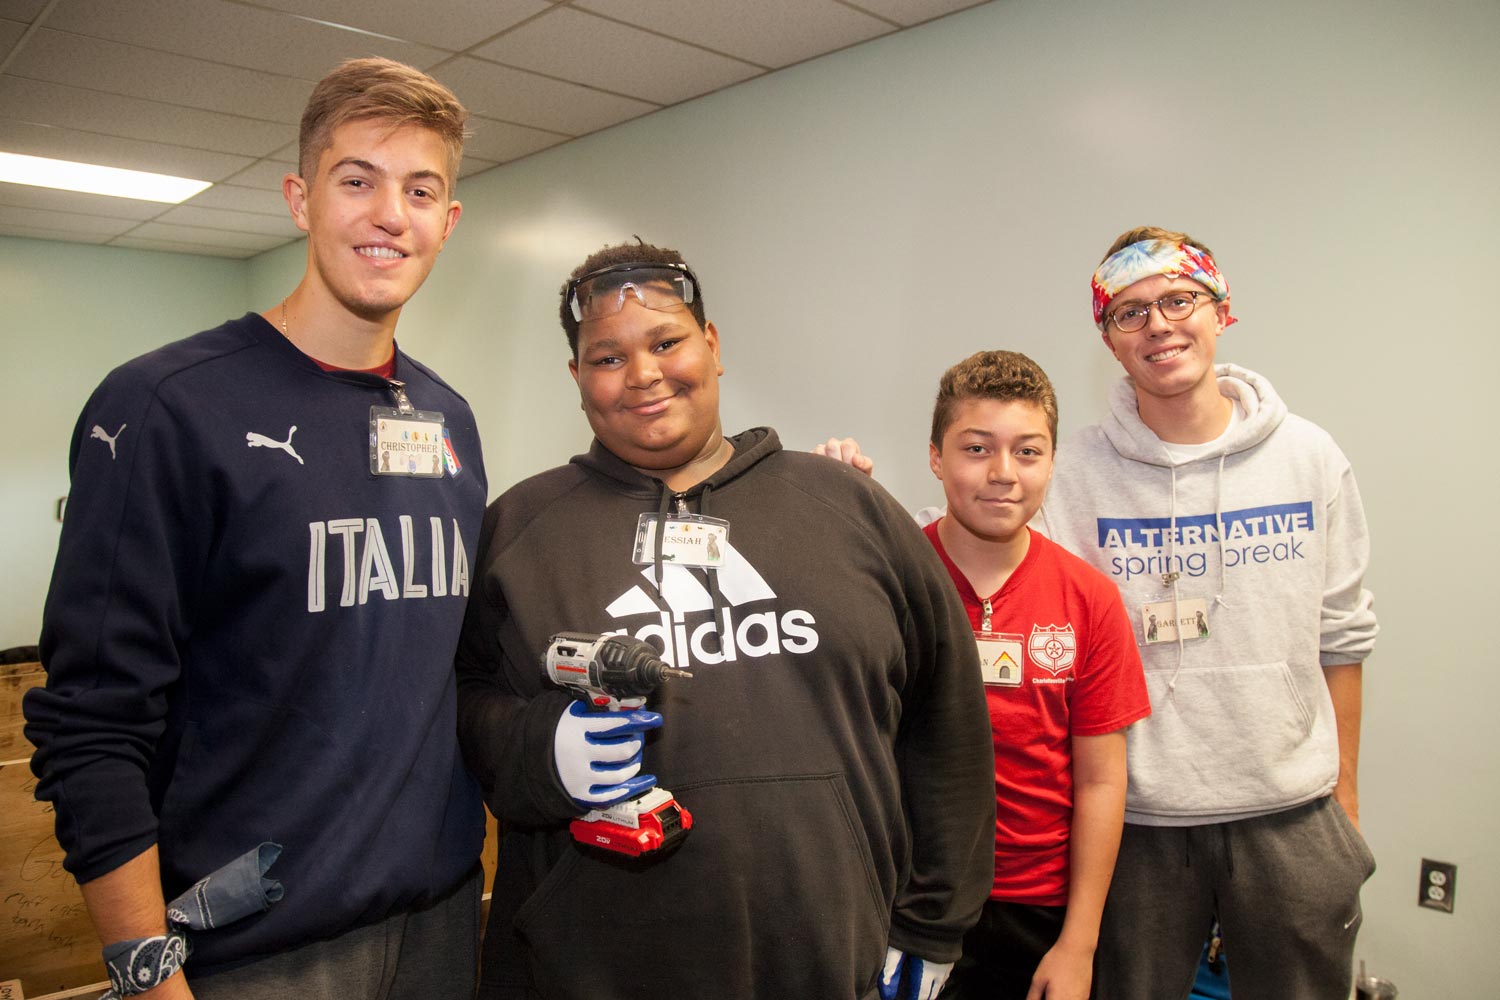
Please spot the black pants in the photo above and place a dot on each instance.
(1002, 951)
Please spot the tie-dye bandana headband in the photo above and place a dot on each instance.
(1148, 258)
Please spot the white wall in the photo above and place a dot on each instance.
(866, 219)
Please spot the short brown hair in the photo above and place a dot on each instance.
(383, 89)
(1004, 375)
(1140, 233)
(639, 252)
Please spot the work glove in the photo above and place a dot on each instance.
(924, 979)
(598, 754)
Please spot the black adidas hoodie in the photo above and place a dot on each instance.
(832, 746)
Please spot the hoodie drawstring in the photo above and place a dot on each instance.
(663, 511)
(1170, 578)
(713, 576)
(1219, 530)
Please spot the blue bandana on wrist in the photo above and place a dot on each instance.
(231, 893)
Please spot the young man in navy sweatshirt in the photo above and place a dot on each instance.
(258, 591)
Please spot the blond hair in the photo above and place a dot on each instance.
(387, 91)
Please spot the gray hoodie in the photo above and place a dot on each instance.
(1267, 535)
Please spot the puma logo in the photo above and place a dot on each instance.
(99, 434)
(261, 441)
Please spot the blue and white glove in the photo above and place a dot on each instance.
(598, 754)
(924, 979)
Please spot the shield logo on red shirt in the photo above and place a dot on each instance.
(1052, 647)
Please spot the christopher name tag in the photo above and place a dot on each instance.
(410, 445)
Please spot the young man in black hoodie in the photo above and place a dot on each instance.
(832, 745)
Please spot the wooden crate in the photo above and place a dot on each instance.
(46, 939)
(15, 680)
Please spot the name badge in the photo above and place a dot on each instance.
(1164, 621)
(414, 445)
(1000, 658)
(687, 540)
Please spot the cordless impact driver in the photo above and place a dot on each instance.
(610, 673)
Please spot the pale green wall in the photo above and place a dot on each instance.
(70, 314)
(863, 220)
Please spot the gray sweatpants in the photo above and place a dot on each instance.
(430, 954)
(1285, 888)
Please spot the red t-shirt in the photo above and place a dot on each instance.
(1079, 673)
(386, 370)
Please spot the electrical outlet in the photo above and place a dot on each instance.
(1439, 879)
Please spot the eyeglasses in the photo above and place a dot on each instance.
(663, 287)
(1174, 306)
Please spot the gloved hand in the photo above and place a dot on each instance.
(598, 754)
(924, 979)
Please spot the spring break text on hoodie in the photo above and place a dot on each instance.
(1151, 546)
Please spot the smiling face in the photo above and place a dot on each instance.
(376, 213)
(649, 381)
(995, 463)
(1168, 359)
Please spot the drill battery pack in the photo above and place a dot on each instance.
(653, 822)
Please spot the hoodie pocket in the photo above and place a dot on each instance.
(1223, 740)
(773, 893)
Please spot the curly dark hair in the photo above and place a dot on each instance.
(639, 252)
(1002, 375)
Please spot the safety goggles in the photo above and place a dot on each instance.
(663, 287)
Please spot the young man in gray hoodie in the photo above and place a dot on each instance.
(1236, 535)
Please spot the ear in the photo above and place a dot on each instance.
(1221, 312)
(573, 371)
(711, 334)
(294, 190)
(935, 460)
(454, 211)
(1104, 336)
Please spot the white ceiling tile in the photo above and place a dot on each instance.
(208, 237)
(265, 174)
(512, 95)
(21, 10)
(65, 222)
(240, 198)
(131, 118)
(113, 151)
(615, 57)
(78, 203)
(769, 33)
(99, 65)
(910, 12)
(233, 34)
(170, 246)
(450, 25)
(471, 165)
(10, 34)
(30, 232)
(213, 89)
(229, 221)
(501, 141)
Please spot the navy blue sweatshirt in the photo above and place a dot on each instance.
(249, 637)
